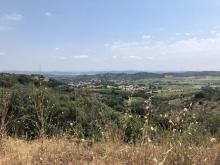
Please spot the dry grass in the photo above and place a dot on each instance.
(69, 152)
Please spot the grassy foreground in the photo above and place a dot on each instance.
(68, 151)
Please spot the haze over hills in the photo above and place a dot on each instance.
(144, 74)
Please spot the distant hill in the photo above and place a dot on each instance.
(193, 73)
(118, 76)
(129, 75)
(137, 76)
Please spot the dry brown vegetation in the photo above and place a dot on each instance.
(166, 138)
(68, 151)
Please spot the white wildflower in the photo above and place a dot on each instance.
(213, 140)
(171, 122)
(178, 119)
(155, 160)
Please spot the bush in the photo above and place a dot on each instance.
(133, 129)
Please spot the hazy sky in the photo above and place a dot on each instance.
(83, 35)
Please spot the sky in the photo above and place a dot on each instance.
(109, 35)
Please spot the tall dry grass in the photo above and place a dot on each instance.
(65, 151)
